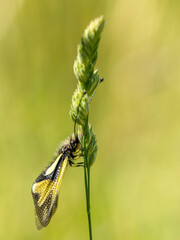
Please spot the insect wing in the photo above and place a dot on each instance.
(45, 191)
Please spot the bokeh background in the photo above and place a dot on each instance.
(135, 187)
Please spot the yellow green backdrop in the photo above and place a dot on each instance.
(135, 187)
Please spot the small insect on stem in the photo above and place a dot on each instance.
(45, 188)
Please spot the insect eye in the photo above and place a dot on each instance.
(73, 144)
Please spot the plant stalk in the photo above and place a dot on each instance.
(87, 186)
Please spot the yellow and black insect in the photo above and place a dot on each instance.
(46, 187)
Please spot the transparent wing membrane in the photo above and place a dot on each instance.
(45, 191)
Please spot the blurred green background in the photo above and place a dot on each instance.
(135, 187)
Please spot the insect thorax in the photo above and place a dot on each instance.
(71, 148)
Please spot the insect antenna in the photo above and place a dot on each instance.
(78, 112)
(101, 80)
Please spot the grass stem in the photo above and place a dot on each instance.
(87, 185)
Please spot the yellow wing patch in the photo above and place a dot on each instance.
(45, 195)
